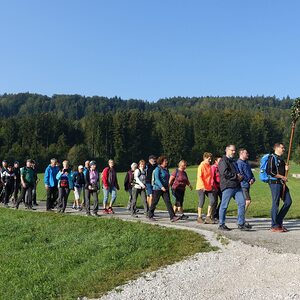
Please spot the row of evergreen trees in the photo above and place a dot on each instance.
(79, 128)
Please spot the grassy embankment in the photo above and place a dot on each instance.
(50, 256)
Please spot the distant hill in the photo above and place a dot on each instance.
(76, 106)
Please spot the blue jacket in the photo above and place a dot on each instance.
(70, 179)
(245, 170)
(50, 176)
(77, 177)
(161, 178)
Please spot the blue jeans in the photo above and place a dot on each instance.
(106, 192)
(227, 194)
(276, 191)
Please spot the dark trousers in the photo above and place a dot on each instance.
(8, 192)
(26, 193)
(135, 193)
(63, 194)
(178, 195)
(276, 191)
(2, 193)
(129, 199)
(17, 189)
(52, 194)
(34, 195)
(217, 194)
(156, 196)
(88, 194)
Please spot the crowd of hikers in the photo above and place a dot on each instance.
(219, 178)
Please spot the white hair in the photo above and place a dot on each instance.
(134, 165)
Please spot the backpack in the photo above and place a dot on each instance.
(133, 182)
(64, 183)
(263, 175)
(173, 190)
(153, 178)
(176, 175)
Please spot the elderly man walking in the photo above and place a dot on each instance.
(51, 184)
(230, 184)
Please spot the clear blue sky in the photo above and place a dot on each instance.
(150, 49)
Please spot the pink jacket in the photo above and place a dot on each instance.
(215, 178)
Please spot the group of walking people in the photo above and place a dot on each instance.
(219, 179)
(18, 184)
(85, 182)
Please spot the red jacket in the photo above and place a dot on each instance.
(114, 180)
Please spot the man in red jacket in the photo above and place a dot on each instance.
(110, 186)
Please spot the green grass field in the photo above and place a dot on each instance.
(50, 256)
(260, 193)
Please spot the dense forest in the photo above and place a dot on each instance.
(78, 127)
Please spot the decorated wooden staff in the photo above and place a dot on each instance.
(295, 116)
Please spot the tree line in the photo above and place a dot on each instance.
(78, 128)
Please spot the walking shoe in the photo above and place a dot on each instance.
(224, 227)
(209, 220)
(151, 219)
(184, 217)
(105, 211)
(110, 210)
(134, 215)
(276, 229)
(247, 225)
(284, 229)
(87, 214)
(94, 214)
(175, 219)
(244, 227)
(199, 220)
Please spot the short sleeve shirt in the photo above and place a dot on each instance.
(28, 175)
(181, 180)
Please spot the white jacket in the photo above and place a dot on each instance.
(140, 179)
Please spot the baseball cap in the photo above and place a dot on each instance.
(92, 163)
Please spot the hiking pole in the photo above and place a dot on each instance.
(295, 115)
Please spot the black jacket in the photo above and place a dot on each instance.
(149, 170)
(228, 173)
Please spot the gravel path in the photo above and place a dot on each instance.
(254, 265)
(237, 271)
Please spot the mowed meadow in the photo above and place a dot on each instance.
(260, 193)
